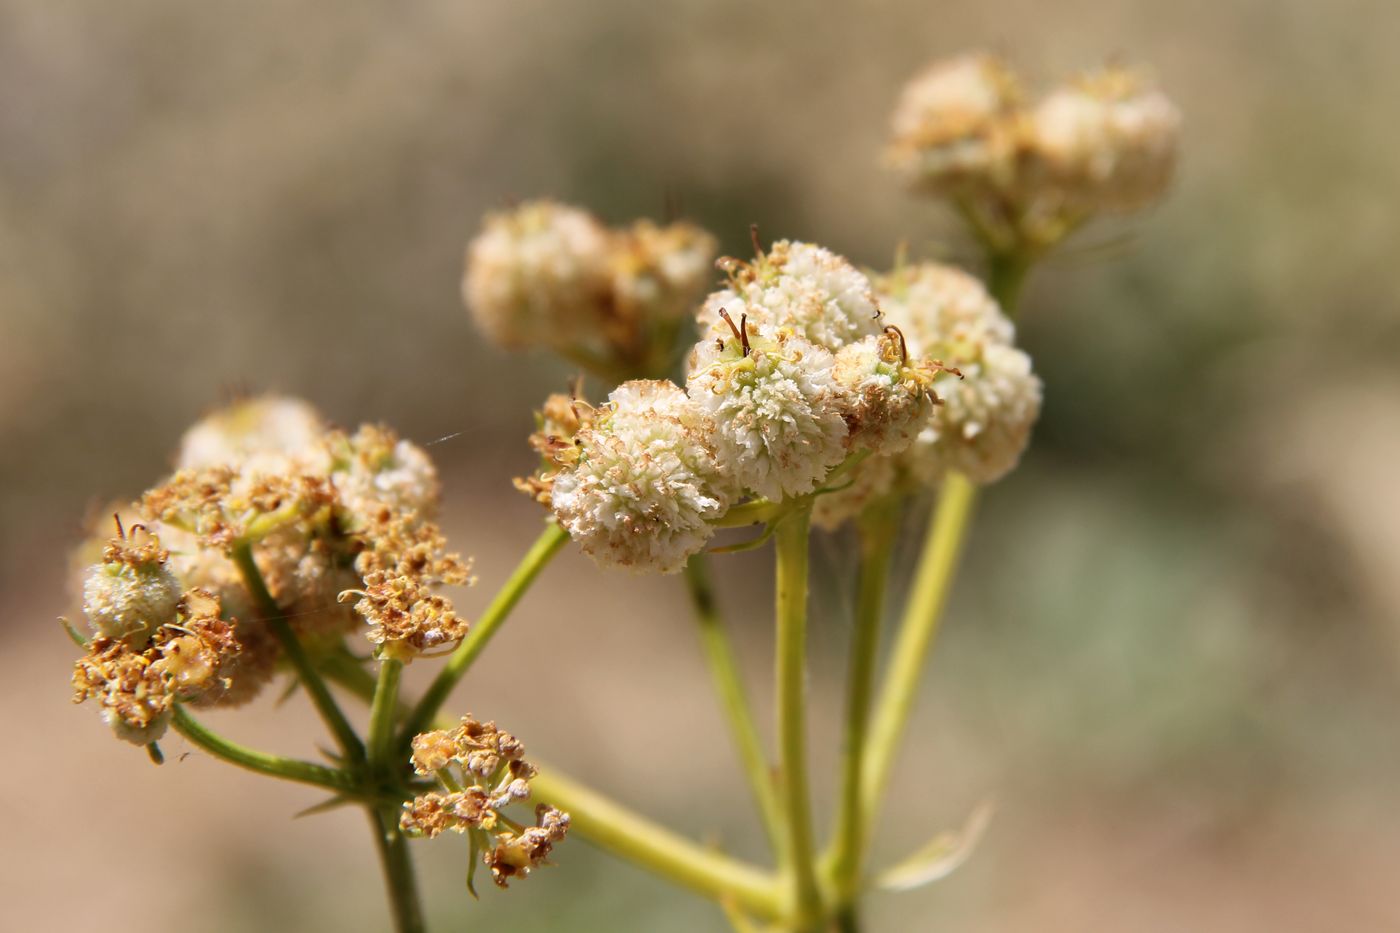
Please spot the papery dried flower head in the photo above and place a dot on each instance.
(955, 125)
(515, 855)
(404, 562)
(482, 770)
(798, 286)
(133, 591)
(1106, 141)
(188, 657)
(644, 482)
(775, 404)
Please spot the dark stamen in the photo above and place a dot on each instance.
(744, 332)
(121, 532)
(757, 243)
(903, 347)
(737, 335)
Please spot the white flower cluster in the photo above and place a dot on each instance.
(987, 408)
(1104, 142)
(797, 373)
(546, 274)
(646, 482)
(988, 395)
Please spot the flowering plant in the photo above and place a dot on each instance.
(815, 393)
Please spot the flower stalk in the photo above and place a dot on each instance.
(799, 870)
(724, 671)
(878, 528)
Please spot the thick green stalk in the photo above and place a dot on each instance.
(1006, 276)
(535, 560)
(345, 735)
(725, 672)
(932, 583)
(289, 769)
(381, 715)
(879, 525)
(397, 866)
(656, 849)
(791, 543)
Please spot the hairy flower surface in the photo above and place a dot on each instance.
(805, 288)
(955, 125)
(776, 407)
(264, 429)
(1026, 173)
(132, 592)
(609, 299)
(538, 274)
(989, 398)
(660, 273)
(482, 771)
(1107, 141)
(939, 306)
(374, 466)
(887, 394)
(638, 486)
(984, 422)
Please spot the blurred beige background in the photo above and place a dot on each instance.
(1174, 658)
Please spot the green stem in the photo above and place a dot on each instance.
(1006, 276)
(325, 704)
(719, 652)
(929, 594)
(397, 866)
(289, 769)
(878, 527)
(381, 715)
(791, 542)
(535, 560)
(627, 835)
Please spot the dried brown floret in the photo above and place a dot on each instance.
(402, 563)
(516, 854)
(185, 660)
(483, 771)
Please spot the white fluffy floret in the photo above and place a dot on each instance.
(646, 484)
(537, 274)
(940, 306)
(405, 479)
(129, 602)
(984, 422)
(1107, 141)
(951, 123)
(804, 287)
(263, 430)
(777, 409)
